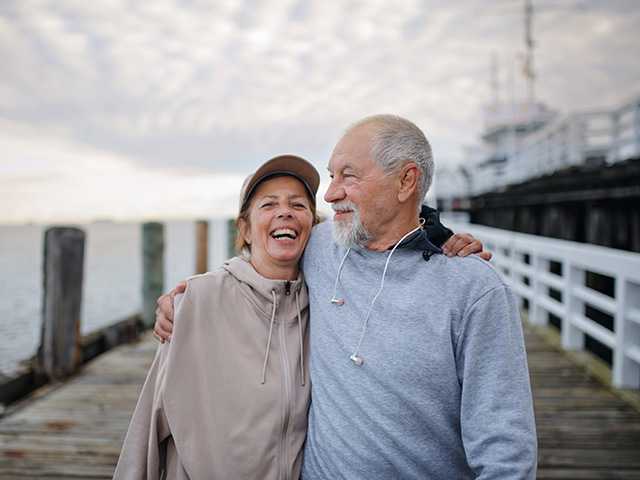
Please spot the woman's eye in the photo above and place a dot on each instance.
(267, 204)
(299, 205)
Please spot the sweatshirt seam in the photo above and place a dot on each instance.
(468, 310)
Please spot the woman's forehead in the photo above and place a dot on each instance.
(282, 185)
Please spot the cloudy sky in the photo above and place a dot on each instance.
(129, 109)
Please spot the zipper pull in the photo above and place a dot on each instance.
(287, 288)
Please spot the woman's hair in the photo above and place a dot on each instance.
(243, 249)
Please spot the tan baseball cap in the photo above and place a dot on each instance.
(291, 165)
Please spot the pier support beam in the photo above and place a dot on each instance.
(153, 269)
(59, 352)
(202, 245)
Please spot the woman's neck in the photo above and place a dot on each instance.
(273, 271)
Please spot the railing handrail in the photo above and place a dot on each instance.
(577, 260)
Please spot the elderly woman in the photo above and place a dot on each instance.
(228, 397)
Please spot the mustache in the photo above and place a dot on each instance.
(344, 206)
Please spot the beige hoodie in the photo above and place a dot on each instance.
(210, 407)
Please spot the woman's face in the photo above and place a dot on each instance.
(280, 221)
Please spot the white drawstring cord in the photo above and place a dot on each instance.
(301, 342)
(355, 358)
(266, 353)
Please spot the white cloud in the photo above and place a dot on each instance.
(223, 85)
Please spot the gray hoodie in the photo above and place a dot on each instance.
(442, 388)
(228, 397)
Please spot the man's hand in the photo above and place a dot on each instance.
(462, 244)
(164, 313)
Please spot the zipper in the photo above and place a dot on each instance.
(287, 402)
(287, 288)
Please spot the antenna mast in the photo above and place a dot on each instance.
(529, 72)
(495, 85)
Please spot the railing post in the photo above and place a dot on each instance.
(572, 337)
(636, 129)
(626, 372)
(59, 352)
(538, 315)
(153, 269)
(614, 145)
(202, 245)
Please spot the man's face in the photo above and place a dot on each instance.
(362, 195)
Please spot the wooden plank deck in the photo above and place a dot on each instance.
(74, 431)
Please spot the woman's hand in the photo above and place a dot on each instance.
(463, 244)
(163, 327)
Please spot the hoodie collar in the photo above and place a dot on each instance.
(419, 241)
(245, 273)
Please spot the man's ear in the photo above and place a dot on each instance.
(408, 181)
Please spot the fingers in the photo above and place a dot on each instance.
(163, 326)
(165, 305)
(485, 255)
(158, 337)
(473, 247)
(463, 244)
(456, 243)
(180, 288)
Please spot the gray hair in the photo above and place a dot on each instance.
(397, 141)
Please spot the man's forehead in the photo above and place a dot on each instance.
(353, 150)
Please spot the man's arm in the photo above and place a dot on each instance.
(496, 410)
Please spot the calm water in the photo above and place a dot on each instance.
(112, 279)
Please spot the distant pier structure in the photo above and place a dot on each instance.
(574, 177)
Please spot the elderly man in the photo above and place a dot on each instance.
(417, 360)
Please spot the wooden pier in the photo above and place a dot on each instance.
(74, 430)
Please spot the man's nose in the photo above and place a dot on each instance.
(334, 193)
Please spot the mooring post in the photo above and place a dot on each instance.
(202, 245)
(153, 269)
(59, 352)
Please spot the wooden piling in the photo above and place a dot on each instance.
(202, 245)
(59, 352)
(153, 269)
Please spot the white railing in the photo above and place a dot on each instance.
(526, 260)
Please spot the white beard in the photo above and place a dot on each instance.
(349, 233)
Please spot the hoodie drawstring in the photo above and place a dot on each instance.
(355, 357)
(300, 337)
(273, 318)
(266, 353)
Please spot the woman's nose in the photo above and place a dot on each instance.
(284, 212)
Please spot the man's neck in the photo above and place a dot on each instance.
(393, 234)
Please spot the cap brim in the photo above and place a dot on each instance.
(292, 165)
